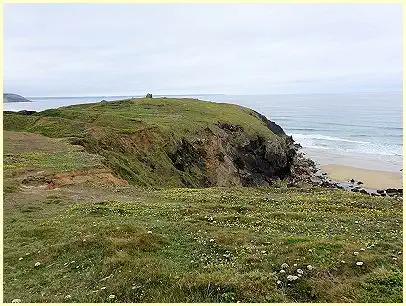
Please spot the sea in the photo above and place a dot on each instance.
(363, 130)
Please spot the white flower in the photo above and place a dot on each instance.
(356, 253)
(300, 271)
(282, 271)
(149, 232)
(309, 267)
(16, 301)
(292, 277)
(68, 297)
(359, 263)
(284, 265)
(112, 296)
(20, 258)
(37, 264)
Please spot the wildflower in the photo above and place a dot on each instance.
(309, 267)
(37, 264)
(16, 301)
(300, 271)
(112, 296)
(20, 258)
(282, 271)
(356, 253)
(292, 277)
(284, 265)
(359, 263)
(149, 232)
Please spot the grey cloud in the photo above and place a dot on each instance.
(79, 49)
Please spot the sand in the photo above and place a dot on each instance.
(374, 179)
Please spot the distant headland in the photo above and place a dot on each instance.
(10, 97)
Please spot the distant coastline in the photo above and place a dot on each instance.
(13, 98)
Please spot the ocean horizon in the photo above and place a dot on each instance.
(363, 130)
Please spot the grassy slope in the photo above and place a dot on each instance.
(135, 135)
(204, 245)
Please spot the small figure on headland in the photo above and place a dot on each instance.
(148, 96)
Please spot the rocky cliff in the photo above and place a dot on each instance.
(175, 142)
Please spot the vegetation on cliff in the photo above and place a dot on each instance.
(95, 238)
(172, 142)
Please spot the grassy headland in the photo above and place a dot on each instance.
(95, 238)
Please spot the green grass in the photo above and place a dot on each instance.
(136, 137)
(201, 245)
(140, 244)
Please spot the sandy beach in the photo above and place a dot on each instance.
(374, 179)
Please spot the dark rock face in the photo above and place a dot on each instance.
(276, 129)
(218, 159)
(148, 96)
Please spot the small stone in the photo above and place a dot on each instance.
(309, 267)
(278, 282)
(295, 265)
(149, 232)
(112, 296)
(356, 253)
(300, 271)
(26, 254)
(37, 264)
(103, 288)
(20, 258)
(362, 249)
(359, 263)
(282, 271)
(68, 297)
(16, 301)
(211, 240)
(285, 265)
(342, 261)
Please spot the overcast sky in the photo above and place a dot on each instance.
(129, 49)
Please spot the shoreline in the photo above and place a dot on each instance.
(373, 171)
(371, 179)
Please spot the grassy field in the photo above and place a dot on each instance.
(105, 243)
(123, 244)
